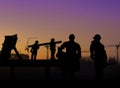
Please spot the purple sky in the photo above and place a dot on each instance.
(58, 18)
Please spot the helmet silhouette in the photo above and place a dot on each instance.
(97, 37)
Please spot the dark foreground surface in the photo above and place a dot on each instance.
(111, 72)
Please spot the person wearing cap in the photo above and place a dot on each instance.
(98, 55)
(34, 50)
(72, 57)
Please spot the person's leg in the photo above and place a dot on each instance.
(52, 54)
(99, 73)
(32, 56)
(35, 55)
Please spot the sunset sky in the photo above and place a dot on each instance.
(45, 19)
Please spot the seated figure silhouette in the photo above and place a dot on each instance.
(70, 59)
(98, 54)
(34, 50)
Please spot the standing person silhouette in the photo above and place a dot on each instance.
(72, 58)
(98, 54)
(34, 50)
(52, 48)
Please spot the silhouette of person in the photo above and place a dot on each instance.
(8, 46)
(98, 54)
(72, 57)
(52, 48)
(34, 50)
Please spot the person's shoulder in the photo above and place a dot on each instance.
(102, 45)
(66, 42)
(76, 43)
(92, 42)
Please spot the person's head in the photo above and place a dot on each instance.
(71, 37)
(52, 39)
(36, 42)
(97, 37)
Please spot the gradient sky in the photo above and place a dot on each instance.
(44, 19)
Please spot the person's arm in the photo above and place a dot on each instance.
(63, 45)
(31, 50)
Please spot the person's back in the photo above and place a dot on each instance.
(73, 55)
(98, 54)
(97, 49)
(72, 48)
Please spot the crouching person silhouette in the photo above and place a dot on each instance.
(70, 59)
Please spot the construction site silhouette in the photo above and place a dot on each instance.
(63, 65)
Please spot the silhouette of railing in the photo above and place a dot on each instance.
(47, 64)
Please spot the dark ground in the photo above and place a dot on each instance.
(111, 72)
